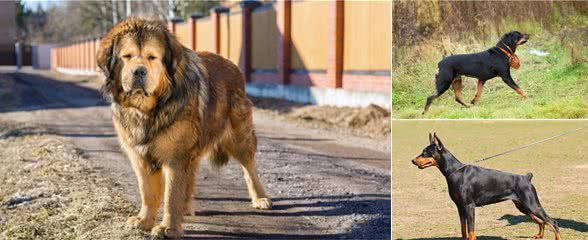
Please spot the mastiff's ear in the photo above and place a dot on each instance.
(106, 56)
(174, 57)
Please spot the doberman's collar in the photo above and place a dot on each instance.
(513, 59)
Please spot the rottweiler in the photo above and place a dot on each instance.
(472, 186)
(485, 65)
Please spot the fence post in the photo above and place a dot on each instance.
(52, 58)
(215, 18)
(80, 51)
(283, 15)
(57, 57)
(245, 60)
(192, 29)
(78, 56)
(86, 49)
(74, 56)
(81, 55)
(171, 24)
(88, 55)
(96, 47)
(92, 53)
(335, 45)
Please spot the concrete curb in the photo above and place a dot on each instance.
(319, 96)
(70, 71)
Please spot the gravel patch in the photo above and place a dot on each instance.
(372, 121)
(48, 191)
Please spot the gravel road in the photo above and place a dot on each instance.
(324, 184)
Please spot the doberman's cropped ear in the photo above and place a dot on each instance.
(431, 139)
(106, 56)
(438, 142)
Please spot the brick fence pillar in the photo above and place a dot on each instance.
(192, 31)
(86, 47)
(96, 47)
(69, 56)
(81, 55)
(335, 38)
(171, 24)
(92, 50)
(215, 13)
(77, 49)
(245, 59)
(89, 55)
(283, 14)
(74, 56)
(52, 57)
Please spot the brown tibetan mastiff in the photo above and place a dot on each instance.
(171, 107)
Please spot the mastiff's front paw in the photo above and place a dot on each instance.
(262, 203)
(141, 223)
(161, 232)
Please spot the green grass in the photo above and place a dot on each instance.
(556, 88)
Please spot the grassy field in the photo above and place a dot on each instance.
(556, 87)
(422, 208)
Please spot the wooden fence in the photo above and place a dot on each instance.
(334, 44)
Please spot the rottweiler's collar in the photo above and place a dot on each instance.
(513, 59)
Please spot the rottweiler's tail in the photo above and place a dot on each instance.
(529, 176)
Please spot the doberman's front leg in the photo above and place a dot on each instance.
(512, 84)
(463, 222)
(471, 218)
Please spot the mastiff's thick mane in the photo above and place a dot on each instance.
(184, 80)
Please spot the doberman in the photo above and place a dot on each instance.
(485, 65)
(472, 186)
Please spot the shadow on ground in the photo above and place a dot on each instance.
(30, 92)
(322, 206)
(563, 223)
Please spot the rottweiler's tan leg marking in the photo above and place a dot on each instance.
(457, 87)
(522, 93)
(479, 90)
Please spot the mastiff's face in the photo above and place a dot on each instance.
(139, 58)
(142, 69)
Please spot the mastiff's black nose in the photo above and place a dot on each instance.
(140, 72)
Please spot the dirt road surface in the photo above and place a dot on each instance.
(324, 184)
